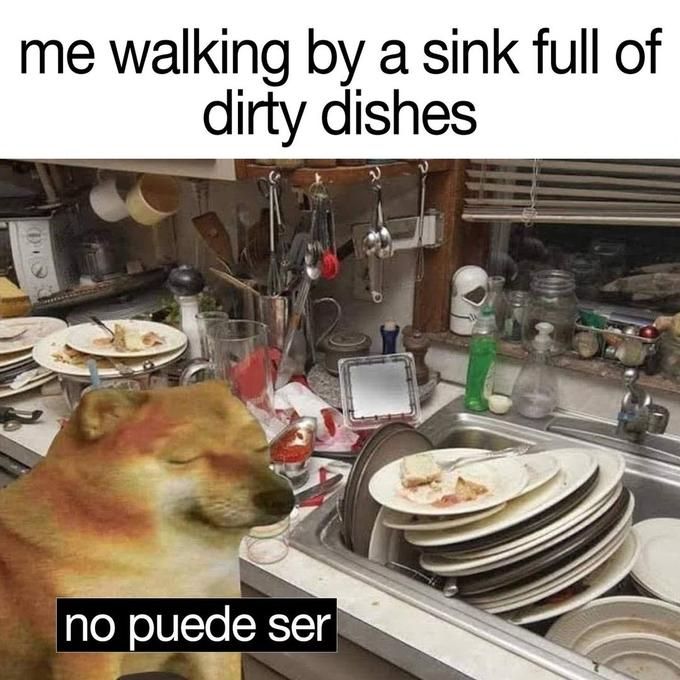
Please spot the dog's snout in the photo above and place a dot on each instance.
(277, 501)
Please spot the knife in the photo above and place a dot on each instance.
(318, 489)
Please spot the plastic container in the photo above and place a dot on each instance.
(553, 300)
(535, 392)
(482, 362)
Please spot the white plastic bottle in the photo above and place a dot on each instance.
(534, 394)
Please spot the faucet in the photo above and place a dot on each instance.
(639, 415)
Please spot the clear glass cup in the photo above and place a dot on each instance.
(242, 357)
(206, 322)
(268, 544)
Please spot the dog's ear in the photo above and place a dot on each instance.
(101, 411)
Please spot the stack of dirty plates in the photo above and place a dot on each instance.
(559, 541)
(637, 636)
(656, 572)
(18, 372)
(68, 351)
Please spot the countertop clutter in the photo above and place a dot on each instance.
(465, 521)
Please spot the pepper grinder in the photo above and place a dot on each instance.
(389, 331)
(418, 344)
(186, 283)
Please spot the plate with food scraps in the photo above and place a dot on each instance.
(577, 466)
(417, 484)
(131, 338)
(542, 467)
(54, 354)
(22, 333)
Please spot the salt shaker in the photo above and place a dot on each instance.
(186, 283)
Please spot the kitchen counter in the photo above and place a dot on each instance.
(406, 637)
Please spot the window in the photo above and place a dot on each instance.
(614, 224)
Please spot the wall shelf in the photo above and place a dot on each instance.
(354, 174)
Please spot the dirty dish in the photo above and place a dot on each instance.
(406, 522)
(501, 480)
(578, 565)
(643, 657)
(137, 338)
(611, 617)
(26, 332)
(577, 466)
(656, 569)
(605, 577)
(50, 353)
(6, 392)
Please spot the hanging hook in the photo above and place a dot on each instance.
(424, 167)
(375, 174)
(274, 177)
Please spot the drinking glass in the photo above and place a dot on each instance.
(206, 322)
(242, 357)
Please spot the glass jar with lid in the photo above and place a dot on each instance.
(553, 300)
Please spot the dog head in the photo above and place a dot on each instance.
(189, 453)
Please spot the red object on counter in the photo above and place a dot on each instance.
(317, 500)
(293, 447)
(649, 332)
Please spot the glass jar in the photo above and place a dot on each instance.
(496, 300)
(670, 355)
(517, 302)
(553, 300)
(268, 544)
(586, 269)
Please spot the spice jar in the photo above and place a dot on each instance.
(517, 302)
(553, 300)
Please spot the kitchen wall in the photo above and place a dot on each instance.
(240, 202)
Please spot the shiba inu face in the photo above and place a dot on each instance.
(190, 454)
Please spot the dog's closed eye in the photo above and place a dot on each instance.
(181, 461)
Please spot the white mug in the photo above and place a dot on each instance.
(106, 200)
(152, 199)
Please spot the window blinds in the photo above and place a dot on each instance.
(595, 192)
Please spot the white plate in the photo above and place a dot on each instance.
(5, 392)
(387, 545)
(43, 354)
(37, 328)
(576, 467)
(613, 616)
(643, 657)
(400, 520)
(15, 358)
(82, 337)
(598, 582)
(505, 478)
(504, 555)
(657, 566)
(582, 564)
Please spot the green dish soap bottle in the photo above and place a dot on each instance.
(482, 363)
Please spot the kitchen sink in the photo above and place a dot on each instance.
(652, 474)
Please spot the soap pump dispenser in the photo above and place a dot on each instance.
(535, 392)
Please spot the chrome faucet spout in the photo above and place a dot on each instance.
(639, 414)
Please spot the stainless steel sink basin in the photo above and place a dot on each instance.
(651, 476)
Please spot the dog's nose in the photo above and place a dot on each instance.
(277, 502)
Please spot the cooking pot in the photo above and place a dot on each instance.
(98, 255)
(343, 345)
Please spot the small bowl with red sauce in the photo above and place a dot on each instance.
(291, 450)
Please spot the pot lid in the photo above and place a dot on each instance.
(348, 341)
